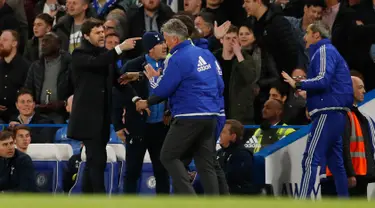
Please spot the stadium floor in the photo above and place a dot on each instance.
(48, 201)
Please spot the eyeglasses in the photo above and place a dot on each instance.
(299, 77)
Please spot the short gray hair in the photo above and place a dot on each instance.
(321, 28)
(175, 27)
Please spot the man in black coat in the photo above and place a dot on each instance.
(90, 119)
(275, 36)
(17, 172)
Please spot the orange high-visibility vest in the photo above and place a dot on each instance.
(357, 147)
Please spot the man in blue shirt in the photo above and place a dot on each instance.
(191, 80)
(329, 95)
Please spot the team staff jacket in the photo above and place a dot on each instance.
(17, 174)
(237, 162)
(328, 84)
(191, 79)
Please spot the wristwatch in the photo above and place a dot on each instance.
(298, 85)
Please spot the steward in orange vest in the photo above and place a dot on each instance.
(358, 150)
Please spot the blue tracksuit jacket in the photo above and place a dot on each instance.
(192, 81)
(328, 84)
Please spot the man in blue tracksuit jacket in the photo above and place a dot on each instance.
(192, 82)
(329, 95)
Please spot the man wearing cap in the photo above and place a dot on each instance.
(144, 131)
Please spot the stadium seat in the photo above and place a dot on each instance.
(49, 160)
(110, 173)
(121, 155)
(147, 182)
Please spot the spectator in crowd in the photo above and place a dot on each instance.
(294, 103)
(42, 25)
(292, 8)
(13, 72)
(241, 71)
(27, 115)
(22, 136)
(13, 17)
(55, 8)
(358, 148)
(217, 10)
(8, 20)
(61, 134)
(355, 73)
(17, 172)
(49, 79)
(204, 22)
(246, 38)
(149, 17)
(193, 7)
(147, 132)
(236, 160)
(364, 41)
(339, 17)
(275, 36)
(265, 135)
(69, 27)
(90, 118)
(116, 23)
(111, 40)
(312, 12)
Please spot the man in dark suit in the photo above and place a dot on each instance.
(93, 77)
(17, 172)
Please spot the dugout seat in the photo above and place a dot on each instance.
(120, 152)
(147, 182)
(110, 173)
(49, 161)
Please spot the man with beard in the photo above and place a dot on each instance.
(149, 17)
(93, 76)
(13, 72)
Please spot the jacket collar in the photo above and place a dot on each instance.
(87, 46)
(180, 45)
(314, 47)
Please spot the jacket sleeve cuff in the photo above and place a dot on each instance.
(136, 99)
(154, 100)
(118, 50)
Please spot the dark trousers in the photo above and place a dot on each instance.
(328, 188)
(96, 160)
(184, 136)
(135, 151)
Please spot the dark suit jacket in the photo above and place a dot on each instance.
(137, 25)
(17, 174)
(40, 134)
(93, 78)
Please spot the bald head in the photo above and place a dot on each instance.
(358, 89)
(69, 103)
(273, 110)
(275, 104)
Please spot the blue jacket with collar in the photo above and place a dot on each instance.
(328, 84)
(191, 79)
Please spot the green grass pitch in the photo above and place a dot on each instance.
(79, 201)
